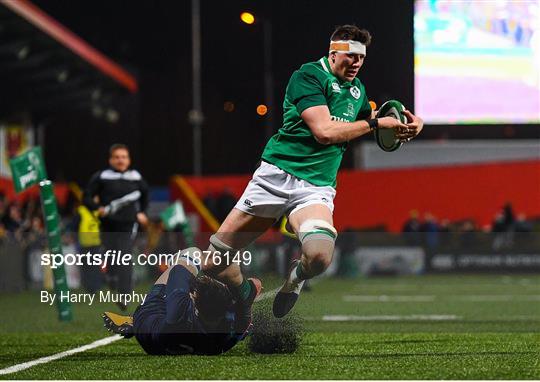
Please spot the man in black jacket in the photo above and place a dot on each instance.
(120, 195)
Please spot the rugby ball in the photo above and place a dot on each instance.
(386, 138)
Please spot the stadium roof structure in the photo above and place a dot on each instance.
(46, 68)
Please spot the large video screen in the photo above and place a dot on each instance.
(477, 61)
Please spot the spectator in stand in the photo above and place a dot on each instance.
(210, 202)
(30, 210)
(431, 231)
(13, 221)
(444, 226)
(225, 203)
(523, 233)
(220, 204)
(347, 243)
(35, 232)
(498, 223)
(503, 226)
(2, 205)
(522, 225)
(411, 229)
(508, 216)
(444, 236)
(468, 234)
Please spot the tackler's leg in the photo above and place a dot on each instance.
(313, 226)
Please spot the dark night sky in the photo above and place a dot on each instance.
(153, 40)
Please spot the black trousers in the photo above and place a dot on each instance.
(119, 237)
(91, 276)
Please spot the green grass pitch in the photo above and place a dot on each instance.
(424, 327)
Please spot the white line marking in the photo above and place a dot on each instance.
(499, 297)
(29, 364)
(412, 317)
(466, 286)
(386, 298)
(432, 298)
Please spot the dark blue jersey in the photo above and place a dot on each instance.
(167, 323)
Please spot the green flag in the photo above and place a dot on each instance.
(173, 216)
(27, 169)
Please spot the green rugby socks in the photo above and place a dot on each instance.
(242, 291)
(300, 273)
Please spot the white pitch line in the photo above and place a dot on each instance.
(387, 298)
(432, 298)
(419, 286)
(499, 297)
(412, 317)
(39, 361)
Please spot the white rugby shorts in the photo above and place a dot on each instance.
(273, 192)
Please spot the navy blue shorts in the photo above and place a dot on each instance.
(149, 318)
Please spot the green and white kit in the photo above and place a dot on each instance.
(294, 148)
(295, 151)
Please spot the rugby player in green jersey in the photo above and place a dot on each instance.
(325, 107)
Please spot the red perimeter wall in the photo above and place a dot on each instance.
(370, 198)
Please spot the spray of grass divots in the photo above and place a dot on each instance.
(274, 335)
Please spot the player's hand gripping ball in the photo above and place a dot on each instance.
(387, 139)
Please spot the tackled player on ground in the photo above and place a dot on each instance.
(183, 314)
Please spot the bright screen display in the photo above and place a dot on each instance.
(477, 61)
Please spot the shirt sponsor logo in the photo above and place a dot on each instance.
(339, 119)
(335, 87)
(355, 92)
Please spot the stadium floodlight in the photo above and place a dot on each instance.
(262, 110)
(267, 110)
(247, 17)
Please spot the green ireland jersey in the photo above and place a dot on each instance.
(294, 149)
